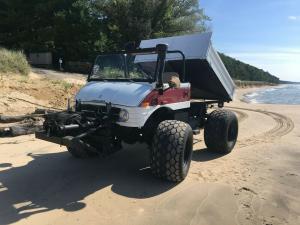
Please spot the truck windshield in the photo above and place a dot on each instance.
(137, 67)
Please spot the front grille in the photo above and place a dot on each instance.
(96, 110)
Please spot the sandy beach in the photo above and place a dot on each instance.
(258, 183)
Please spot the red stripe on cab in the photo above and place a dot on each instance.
(171, 95)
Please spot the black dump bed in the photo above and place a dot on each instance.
(204, 68)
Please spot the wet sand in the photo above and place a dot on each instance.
(258, 183)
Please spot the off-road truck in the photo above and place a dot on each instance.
(145, 95)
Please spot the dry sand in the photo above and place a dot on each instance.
(258, 183)
(23, 94)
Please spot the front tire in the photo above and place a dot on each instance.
(171, 151)
(221, 131)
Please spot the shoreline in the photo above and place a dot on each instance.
(242, 93)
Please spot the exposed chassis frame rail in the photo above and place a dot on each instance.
(65, 141)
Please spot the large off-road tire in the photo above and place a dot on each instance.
(171, 151)
(221, 131)
(78, 149)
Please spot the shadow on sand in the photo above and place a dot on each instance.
(58, 181)
(203, 155)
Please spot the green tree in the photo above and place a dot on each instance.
(68, 26)
(242, 71)
(77, 28)
(134, 20)
(28, 24)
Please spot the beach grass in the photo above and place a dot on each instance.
(13, 62)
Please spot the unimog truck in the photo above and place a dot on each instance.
(159, 93)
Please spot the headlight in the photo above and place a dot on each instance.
(124, 115)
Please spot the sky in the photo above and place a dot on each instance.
(263, 33)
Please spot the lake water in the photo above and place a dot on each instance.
(283, 94)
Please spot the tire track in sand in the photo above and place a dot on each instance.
(241, 115)
(283, 126)
(245, 195)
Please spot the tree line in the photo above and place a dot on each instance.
(77, 29)
(242, 71)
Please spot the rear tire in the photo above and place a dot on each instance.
(221, 131)
(171, 151)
